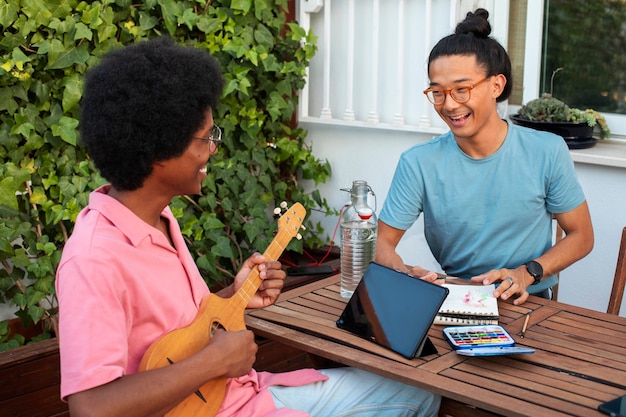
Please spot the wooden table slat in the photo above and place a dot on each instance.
(545, 405)
(557, 380)
(526, 380)
(327, 302)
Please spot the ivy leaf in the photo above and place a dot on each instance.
(243, 5)
(284, 88)
(91, 15)
(17, 341)
(82, 32)
(204, 263)
(263, 36)
(208, 25)
(170, 11)
(236, 46)
(35, 312)
(37, 12)
(276, 105)
(189, 18)
(146, 21)
(107, 29)
(80, 182)
(45, 285)
(38, 197)
(297, 31)
(8, 13)
(67, 57)
(72, 91)
(19, 58)
(222, 248)
(231, 85)
(261, 7)
(23, 128)
(6, 101)
(212, 222)
(66, 129)
(7, 193)
(253, 57)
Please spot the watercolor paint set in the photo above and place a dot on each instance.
(484, 340)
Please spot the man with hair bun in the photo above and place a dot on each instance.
(488, 189)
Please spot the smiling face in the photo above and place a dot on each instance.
(469, 120)
(183, 174)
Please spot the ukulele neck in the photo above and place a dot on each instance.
(273, 251)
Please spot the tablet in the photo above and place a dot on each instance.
(393, 309)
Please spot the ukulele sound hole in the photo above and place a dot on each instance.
(215, 326)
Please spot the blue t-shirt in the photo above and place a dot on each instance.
(489, 213)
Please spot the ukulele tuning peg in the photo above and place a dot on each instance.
(303, 227)
(299, 236)
(282, 207)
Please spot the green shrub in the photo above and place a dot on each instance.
(46, 177)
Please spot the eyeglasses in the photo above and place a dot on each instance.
(459, 94)
(215, 136)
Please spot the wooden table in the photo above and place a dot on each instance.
(580, 358)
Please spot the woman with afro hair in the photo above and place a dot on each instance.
(126, 277)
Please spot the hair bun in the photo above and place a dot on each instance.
(475, 22)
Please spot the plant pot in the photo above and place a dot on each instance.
(16, 326)
(576, 135)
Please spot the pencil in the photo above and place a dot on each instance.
(446, 276)
(523, 333)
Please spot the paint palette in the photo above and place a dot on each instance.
(468, 337)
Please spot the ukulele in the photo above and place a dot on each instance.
(215, 313)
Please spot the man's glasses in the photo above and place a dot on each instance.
(215, 136)
(459, 94)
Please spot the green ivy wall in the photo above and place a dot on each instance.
(45, 176)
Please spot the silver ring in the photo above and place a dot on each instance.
(510, 281)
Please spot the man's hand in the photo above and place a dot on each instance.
(512, 281)
(426, 275)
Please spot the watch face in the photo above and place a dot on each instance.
(535, 269)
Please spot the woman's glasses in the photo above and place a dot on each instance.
(215, 136)
(459, 94)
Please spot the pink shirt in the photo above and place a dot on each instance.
(121, 286)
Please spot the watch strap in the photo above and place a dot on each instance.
(535, 270)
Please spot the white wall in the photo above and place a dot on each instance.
(588, 282)
(371, 155)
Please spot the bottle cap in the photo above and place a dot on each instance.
(365, 213)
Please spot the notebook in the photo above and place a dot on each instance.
(393, 309)
(469, 305)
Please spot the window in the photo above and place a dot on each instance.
(588, 40)
(583, 44)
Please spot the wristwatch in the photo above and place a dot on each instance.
(535, 270)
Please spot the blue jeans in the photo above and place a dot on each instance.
(354, 392)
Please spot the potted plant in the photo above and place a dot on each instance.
(550, 114)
